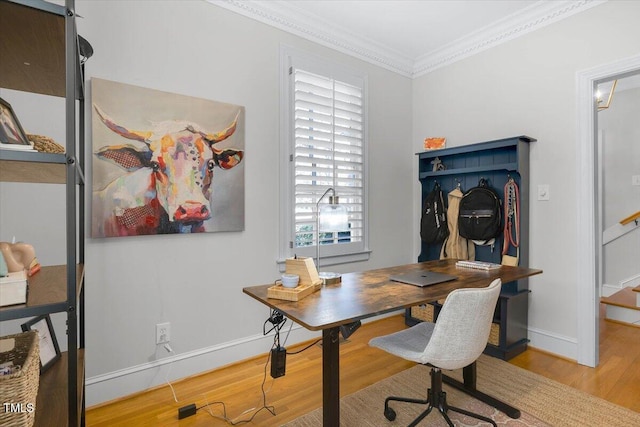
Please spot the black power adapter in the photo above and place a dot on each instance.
(278, 361)
(187, 411)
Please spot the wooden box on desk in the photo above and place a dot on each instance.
(308, 283)
(278, 291)
(305, 269)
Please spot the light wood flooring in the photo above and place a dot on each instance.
(616, 379)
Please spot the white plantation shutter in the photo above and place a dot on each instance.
(324, 120)
(328, 152)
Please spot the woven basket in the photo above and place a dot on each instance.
(18, 391)
(494, 335)
(424, 312)
(45, 144)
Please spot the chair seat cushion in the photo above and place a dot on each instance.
(408, 343)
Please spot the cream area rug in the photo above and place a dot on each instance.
(543, 402)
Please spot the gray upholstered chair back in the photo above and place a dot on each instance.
(463, 326)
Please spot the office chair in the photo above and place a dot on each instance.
(456, 340)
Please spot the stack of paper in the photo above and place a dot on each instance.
(478, 265)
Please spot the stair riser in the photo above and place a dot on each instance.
(622, 314)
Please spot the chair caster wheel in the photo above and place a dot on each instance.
(389, 414)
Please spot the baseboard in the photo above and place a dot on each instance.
(608, 290)
(630, 282)
(564, 346)
(118, 384)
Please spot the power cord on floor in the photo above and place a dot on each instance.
(264, 406)
(277, 320)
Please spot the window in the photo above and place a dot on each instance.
(323, 131)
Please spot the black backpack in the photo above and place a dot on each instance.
(480, 215)
(433, 223)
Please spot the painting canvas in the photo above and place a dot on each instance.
(164, 163)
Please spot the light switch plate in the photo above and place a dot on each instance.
(543, 192)
(635, 180)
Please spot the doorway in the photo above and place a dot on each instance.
(618, 166)
(589, 257)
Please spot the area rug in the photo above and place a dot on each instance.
(543, 402)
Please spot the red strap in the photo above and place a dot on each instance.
(511, 215)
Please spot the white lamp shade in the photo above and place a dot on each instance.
(333, 218)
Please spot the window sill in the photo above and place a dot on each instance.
(335, 259)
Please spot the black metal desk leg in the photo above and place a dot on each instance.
(331, 377)
(469, 387)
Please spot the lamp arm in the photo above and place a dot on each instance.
(318, 225)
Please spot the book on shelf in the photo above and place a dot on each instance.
(478, 265)
(13, 288)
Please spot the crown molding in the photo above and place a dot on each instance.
(284, 16)
(530, 19)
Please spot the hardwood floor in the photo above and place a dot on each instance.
(616, 379)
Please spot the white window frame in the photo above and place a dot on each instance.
(330, 254)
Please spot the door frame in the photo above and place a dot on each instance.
(588, 219)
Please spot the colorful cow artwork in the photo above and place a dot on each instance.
(166, 184)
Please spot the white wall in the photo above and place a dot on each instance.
(195, 281)
(528, 86)
(621, 160)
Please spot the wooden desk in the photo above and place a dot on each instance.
(371, 293)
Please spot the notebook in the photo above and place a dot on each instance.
(423, 278)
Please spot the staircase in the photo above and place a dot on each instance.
(623, 306)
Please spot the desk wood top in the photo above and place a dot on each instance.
(371, 293)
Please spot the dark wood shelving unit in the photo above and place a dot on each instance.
(496, 161)
(39, 53)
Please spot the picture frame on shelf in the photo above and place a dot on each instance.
(49, 350)
(12, 136)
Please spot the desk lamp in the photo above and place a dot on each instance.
(331, 217)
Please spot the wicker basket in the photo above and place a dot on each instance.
(45, 144)
(18, 390)
(494, 335)
(424, 312)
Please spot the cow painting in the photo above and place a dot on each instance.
(167, 175)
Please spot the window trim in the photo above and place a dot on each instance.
(334, 254)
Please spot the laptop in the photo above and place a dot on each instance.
(423, 278)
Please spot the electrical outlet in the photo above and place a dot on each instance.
(163, 333)
(543, 192)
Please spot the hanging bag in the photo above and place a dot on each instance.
(433, 222)
(480, 216)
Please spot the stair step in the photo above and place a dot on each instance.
(636, 289)
(625, 297)
(623, 306)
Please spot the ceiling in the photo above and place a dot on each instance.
(410, 37)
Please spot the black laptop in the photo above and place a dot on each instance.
(423, 278)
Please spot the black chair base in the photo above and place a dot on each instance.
(436, 398)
